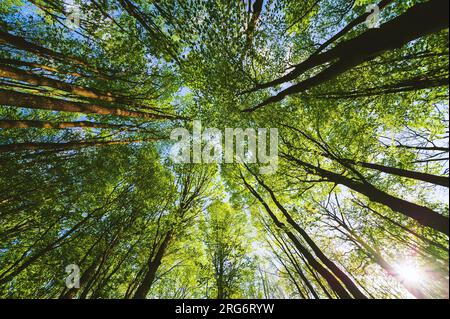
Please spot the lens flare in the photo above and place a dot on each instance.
(410, 272)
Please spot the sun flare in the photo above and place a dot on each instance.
(410, 272)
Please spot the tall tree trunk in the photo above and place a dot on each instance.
(220, 276)
(316, 58)
(85, 277)
(423, 215)
(13, 98)
(41, 51)
(256, 12)
(8, 124)
(400, 87)
(318, 280)
(433, 17)
(349, 284)
(329, 277)
(429, 178)
(37, 65)
(297, 267)
(406, 229)
(7, 275)
(31, 78)
(64, 146)
(390, 270)
(153, 265)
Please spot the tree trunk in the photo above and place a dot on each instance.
(297, 267)
(423, 215)
(429, 178)
(29, 77)
(36, 49)
(13, 98)
(8, 124)
(63, 146)
(406, 229)
(38, 66)
(330, 264)
(72, 292)
(329, 277)
(433, 17)
(153, 266)
(391, 271)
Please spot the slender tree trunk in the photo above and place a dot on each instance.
(291, 276)
(220, 290)
(362, 18)
(297, 267)
(391, 271)
(433, 17)
(13, 98)
(5, 276)
(29, 77)
(72, 292)
(64, 146)
(318, 280)
(41, 51)
(153, 266)
(220, 275)
(87, 274)
(424, 148)
(329, 277)
(401, 87)
(8, 124)
(423, 215)
(429, 178)
(349, 284)
(406, 229)
(10, 273)
(36, 65)
(256, 12)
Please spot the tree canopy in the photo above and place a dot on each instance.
(90, 92)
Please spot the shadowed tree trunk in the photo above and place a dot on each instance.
(406, 229)
(433, 17)
(400, 87)
(8, 124)
(153, 265)
(64, 146)
(429, 178)
(329, 277)
(423, 215)
(285, 247)
(390, 270)
(31, 78)
(315, 59)
(13, 98)
(330, 264)
(37, 65)
(41, 51)
(373, 253)
(85, 277)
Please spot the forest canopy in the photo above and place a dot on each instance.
(353, 93)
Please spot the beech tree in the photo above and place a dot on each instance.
(357, 206)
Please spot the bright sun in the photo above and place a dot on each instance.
(410, 272)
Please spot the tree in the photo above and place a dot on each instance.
(227, 247)
(356, 206)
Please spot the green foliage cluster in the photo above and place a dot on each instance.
(358, 207)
